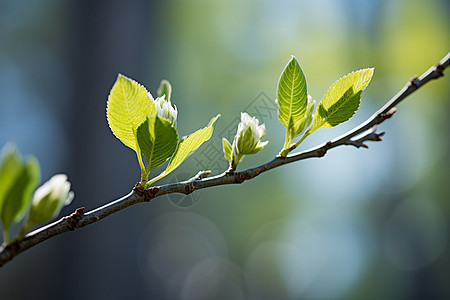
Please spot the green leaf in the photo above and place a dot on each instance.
(17, 199)
(186, 147)
(226, 149)
(342, 100)
(303, 123)
(158, 140)
(10, 168)
(292, 94)
(127, 108)
(165, 88)
(190, 144)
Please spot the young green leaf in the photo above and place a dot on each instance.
(342, 100)
(292, 94)
(17, 198)
(226, 149)
(158, 140)
(303, 123)
(128, 106)
(186, 147)
(165, 88)
(10, 168)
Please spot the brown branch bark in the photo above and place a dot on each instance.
(355, 137)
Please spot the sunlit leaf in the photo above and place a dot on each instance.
(226, 149)
(292, 94)
(342, 100)
(127, 108)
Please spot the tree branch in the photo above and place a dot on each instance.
(355, 137)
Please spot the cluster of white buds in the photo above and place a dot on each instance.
(247, 140)
(164, 108)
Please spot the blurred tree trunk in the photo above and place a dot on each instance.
(109, 37)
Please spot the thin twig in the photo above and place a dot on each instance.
(355, 137)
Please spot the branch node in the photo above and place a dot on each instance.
(150, 193)
(388, 114)
(139, 189)
(439, 69)
(263, 169)
(79, 212)
(73, 219)
(414, 81)
(202, 175)
(189, 188)
(240, 178)
(322, 151)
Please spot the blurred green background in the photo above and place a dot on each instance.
(356, 224)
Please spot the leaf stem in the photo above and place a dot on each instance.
(144, 173)
(234, 163)
(148, 183)
(6, 236)
(286, 147)
(302, 139)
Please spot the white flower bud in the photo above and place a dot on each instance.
(248, 137)
(49, 199)
(164, 108)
